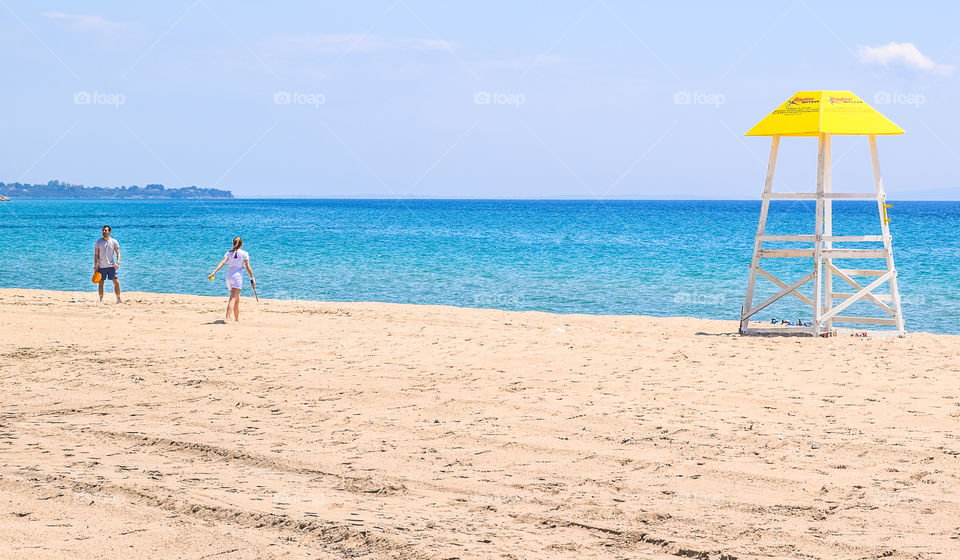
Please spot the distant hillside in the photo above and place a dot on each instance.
(59, 189)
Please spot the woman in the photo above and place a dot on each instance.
(238, 260)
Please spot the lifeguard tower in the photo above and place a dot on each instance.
(822, 114)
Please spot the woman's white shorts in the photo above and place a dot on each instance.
(235, 281)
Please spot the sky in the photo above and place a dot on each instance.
(516, 99)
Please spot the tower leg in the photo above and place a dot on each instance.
(761, 227)
(887, 241)
(823, 143)
(827, 231)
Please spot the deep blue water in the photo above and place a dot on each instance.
(664, 258)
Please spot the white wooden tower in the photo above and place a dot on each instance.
(835, 287)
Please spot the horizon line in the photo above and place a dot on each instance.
(571, 198)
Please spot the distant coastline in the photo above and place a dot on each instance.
(59, 189)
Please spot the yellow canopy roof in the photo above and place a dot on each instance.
(808, 113)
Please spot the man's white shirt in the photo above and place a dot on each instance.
(107, 252)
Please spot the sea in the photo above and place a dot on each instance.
(630, 257)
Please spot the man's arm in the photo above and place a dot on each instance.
(116, 249)
(96, 257)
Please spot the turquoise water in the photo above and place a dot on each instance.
(663, 258)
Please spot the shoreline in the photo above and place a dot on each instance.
(372, 430)
(732, 324)
(345, 197)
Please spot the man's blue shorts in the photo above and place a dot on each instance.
(108, 273)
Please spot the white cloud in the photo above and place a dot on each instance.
(906, 54)
(349, 42)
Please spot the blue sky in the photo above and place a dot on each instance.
(475, 99)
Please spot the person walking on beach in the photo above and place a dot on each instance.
(106, 261)
(238, 260)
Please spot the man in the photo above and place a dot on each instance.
(104, 251)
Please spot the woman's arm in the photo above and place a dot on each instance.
(250, 272)
(219, 266)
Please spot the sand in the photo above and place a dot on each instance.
(368, 430)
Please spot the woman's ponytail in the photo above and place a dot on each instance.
(237, 243)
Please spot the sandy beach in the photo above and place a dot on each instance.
(368, 430)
